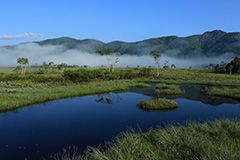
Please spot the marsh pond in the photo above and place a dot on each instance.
(42, 130)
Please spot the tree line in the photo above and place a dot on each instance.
(114, 58)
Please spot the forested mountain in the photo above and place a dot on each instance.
(209, 44)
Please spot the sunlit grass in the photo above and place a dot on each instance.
(164, 89)
(30, 89)
(14, 95)
(233, 93)
(152, 104)
(217, 140)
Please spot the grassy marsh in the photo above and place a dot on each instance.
(19, 90)
(14, 95)
(217, 140)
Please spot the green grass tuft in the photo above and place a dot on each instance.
(165, 89)
(224, 92)
(151, 104)
(216, 140)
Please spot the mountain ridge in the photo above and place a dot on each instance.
(209, 44)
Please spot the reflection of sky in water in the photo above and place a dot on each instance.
(42, 130)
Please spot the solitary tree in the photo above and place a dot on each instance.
(156, 56)
(173, 66)
(110, 56)
(211, 66)
(23, 62)
(165, 66)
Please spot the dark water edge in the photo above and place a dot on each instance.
(42, 130)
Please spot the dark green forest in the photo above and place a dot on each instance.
(209, 44)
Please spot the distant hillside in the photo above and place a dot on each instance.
(209, 44)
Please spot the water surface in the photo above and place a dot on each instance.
(44, 129)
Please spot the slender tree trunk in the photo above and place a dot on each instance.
(22, 69)
(109, 63)
(112, 68)
(157, 66)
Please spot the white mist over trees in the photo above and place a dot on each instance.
(58, 54)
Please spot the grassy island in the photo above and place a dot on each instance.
(151, 104)
(165, 89)
(233, 93)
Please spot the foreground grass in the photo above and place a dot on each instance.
(156, 104)
(217, 140)
(165, 89)
(14, 95)
(225, 92)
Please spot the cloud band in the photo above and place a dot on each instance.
(20, 36)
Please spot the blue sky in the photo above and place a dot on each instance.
(109, 20)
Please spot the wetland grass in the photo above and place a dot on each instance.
(14, 95)
(18, 90)
(233, 93)
(156, 104)
(165, 89)
(215, 140)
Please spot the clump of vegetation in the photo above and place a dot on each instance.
(233, 93)
(165, 89)
(218, 140)
(145, 72)
(151, 104)
(231, 67)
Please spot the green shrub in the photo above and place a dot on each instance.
(145, 72)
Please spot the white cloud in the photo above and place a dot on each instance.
(20, 36)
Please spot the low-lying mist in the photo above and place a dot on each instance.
(58, 54)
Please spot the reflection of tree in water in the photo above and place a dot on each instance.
(104, 100)
(109, 99)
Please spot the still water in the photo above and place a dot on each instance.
(41, 130)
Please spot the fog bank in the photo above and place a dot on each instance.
(59, 54)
